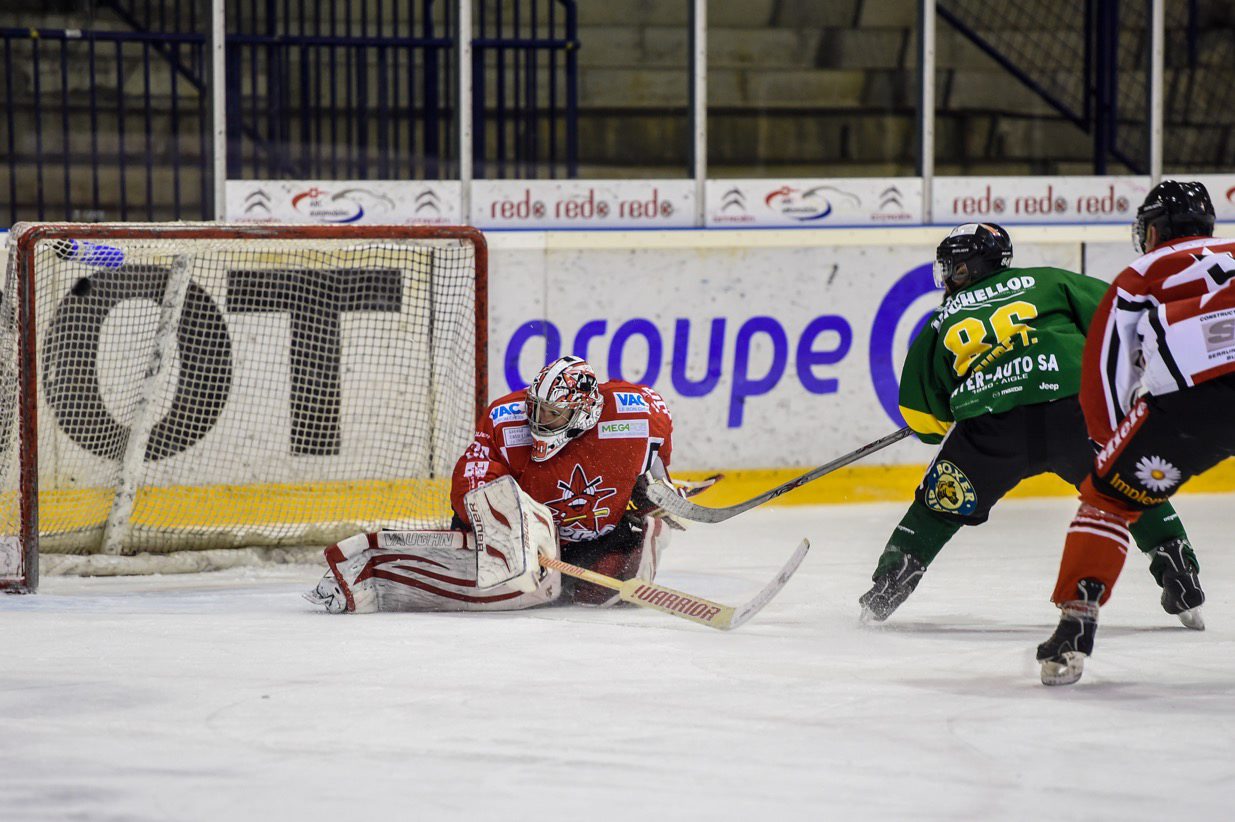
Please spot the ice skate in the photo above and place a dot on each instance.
(1177, 572)
(328, 594)
(1063, 655)
(891, 588)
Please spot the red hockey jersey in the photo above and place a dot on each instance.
(588, 483)
(1166, 323)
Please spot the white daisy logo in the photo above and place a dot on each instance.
(1156, 474)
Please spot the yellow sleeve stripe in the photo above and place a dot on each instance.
(924, 423)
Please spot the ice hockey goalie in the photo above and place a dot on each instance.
(556, 470)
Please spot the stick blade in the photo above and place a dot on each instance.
(676, 505)
(699, 609)
(677, 603)
(744, 612)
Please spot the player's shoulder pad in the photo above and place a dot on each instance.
(510, 408)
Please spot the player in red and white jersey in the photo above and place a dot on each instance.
(559, 470)
(578, 447)
(1165, 324)
(1158, 391)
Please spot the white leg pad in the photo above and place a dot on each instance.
(420, 571)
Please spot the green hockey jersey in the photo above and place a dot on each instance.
(1013, 338)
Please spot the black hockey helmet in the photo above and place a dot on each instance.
(1176, 210)
(971, 252)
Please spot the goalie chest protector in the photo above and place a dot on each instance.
(588, 484)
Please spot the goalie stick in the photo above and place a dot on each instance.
(675, 505)
(687, 606)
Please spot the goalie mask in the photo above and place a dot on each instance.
(1173, 209)
(563, 402)
(972, 252)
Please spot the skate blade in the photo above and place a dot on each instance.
(1192, 618)
(1063, 673)
(869, 617)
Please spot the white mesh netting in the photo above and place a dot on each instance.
(201, 393)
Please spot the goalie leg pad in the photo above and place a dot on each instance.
(416, 571)
(340, 590)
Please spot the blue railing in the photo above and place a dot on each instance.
(341, 95)
(525, 99)
(314, 89)
(91, 143)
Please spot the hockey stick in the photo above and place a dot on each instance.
(675, 505)
(687, 606)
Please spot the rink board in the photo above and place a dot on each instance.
(774, 349)
(885, 483)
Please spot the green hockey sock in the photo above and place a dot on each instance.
(922, 533)
(1158, 525)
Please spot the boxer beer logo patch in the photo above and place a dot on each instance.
(949, 490)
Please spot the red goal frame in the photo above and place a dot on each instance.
(25, 240)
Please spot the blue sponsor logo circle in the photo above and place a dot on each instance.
(884, 365)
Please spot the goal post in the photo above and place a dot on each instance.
(181, 395)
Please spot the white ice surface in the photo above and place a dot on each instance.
(226, 697)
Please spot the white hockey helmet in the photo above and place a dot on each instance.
(563, 402)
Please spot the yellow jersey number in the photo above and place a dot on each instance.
(967, 339)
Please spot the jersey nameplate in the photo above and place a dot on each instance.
(622, 429)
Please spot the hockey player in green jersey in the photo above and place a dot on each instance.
(994, 376)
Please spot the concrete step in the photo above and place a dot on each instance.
(737, 136)
(1008, 138)
(744, 14)
(159, 195)
(663, 88)
(887, 13)
(665, 46)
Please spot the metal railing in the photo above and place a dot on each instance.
(114, 124)
(83, 136)
(1101, 87)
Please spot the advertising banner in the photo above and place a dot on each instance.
(814, 202)
(768, 356)
(1221, 191)
(583, 203)
(737, 203)
(375, 202)
(1020, 200)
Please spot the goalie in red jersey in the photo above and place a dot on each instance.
(557, 470)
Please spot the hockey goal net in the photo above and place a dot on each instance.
(180, 391)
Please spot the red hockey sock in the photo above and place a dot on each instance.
(1096, 546)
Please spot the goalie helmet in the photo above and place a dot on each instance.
(563, 402)
(1174, 210)
(971, 252)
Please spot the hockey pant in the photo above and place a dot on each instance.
(985, 457)
(1163, 442)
